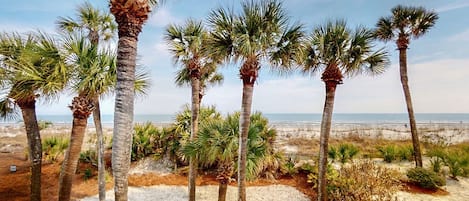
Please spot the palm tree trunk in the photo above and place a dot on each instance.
(195, 82)
(100, 149)
(70, 162)
(123, 113)
(244, 123)
(222, 188)
(410, 109)
(324, 139)
(28, 110)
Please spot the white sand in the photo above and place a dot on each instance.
(208, 193)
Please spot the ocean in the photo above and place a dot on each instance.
(298, 118)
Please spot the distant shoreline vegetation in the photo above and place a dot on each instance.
(290, 118)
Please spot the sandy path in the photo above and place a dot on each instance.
(209, 193)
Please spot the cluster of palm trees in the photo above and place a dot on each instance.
(34, 66)
(260, 34)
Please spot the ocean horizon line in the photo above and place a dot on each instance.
(286, 118)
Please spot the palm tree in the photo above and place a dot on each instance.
(208, 76)
(217, 145)
(130, 16)
(259, 33)
(99, 25)
(187, 43)
(31, 68)
(94, 75)
(337, 51)
(406, 23)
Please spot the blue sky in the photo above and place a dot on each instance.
(438, 62)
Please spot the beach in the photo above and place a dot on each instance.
(295, 139)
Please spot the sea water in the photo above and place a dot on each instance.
(290, 118)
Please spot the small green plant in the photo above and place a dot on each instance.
(343, 152)
(436, 164)
(405, 152)
(44, 124)
(388, 152)
(53, 147)
(455, 157)
(425, 178)
(457, 162)
(89, 156)
(288, 167)
(87, 174)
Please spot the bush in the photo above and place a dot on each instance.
(53, 147)
(89, 156)
(457, 162)
(87, 174)
(405, 152)
(363, 181)
(425, 178)
(343, 152)
(388, 152)
(456, 158)
(392, 152)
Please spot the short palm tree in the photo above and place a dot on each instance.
(406, 23)
(217, 145)
(130, 16)
(94, 74)
(335, 50)
(259, 33)
(31, 68)
(187, 44)
(99, 26)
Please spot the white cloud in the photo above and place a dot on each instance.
(460, 37)
(163, 17)
(453, 6)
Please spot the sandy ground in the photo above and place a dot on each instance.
(13, 143)
(209, 193)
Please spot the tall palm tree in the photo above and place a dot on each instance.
(335, 50)
(130, 16)
(405, 23)
(94, 75)
(99, 25)
(217, 145)
(209, 76)
(259, 33)
(31, 68)
(187, 43)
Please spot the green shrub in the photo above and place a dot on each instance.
(343, 152)
(53, 147)
(143, 141)
(288, 167)
(405, 152)
(388, 152)
(425, 178)
(89, 156)
(87, 174)
(435, 164)
(393, 152)
(457, 162)
(332, 153)
(456, 158)
(363, 181)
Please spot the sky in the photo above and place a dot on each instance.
(438, 62)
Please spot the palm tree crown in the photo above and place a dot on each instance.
(337, 51)
(406, 22)
(259, 32)
(97, 23)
